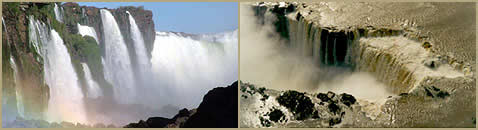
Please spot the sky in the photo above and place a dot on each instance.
(189, 17)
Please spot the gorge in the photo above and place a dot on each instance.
(356, 64)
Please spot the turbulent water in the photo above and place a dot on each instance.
(93, 90)
(87, 31)
(191, 66)
(117, 61)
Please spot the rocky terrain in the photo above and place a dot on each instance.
(217, 110)
(426, 58)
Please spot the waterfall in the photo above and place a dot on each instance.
(93, 90)
(38, 36)
(4, 26)
(398, 62)
(144, 65)
(66, 98)
(117, 60)
(19, 97)
(187, 66)
(87, 31)
(58, 13)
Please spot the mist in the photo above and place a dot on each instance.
(266, 61)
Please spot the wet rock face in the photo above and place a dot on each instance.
(347, 99)
(276, 115)
(297, 103)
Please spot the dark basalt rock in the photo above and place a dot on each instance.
(265, 122)
(323, 97)
(347, 99)
(218, 109)
(299, 104)
(433, 92)
(334, 121)
(333, 108)
(276, 115)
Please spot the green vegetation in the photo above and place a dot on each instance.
(12, 6)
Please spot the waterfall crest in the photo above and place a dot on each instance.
(117, 60)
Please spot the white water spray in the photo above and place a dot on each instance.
(66, 99)
(93, 90)
(185, 66)
(117, 61)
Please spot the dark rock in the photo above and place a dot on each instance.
(316, 115)
(433, 92)
(157, 122)
(347, 99)
(217, 110)
(299, 104)
(323, 97)
(333, 108)
(265, 122)
(334, 121)
(276, 115)
(442, 94)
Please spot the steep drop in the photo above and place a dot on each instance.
(117, 60)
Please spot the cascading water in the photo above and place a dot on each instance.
(66, 99)
(117, 61)
(87, 31)
(144, 65)
(93, 90)
(58, 14)
(4, 26)
(19, 97)
(185, 66)
(37, 37)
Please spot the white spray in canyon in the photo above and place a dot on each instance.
(267, 61)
